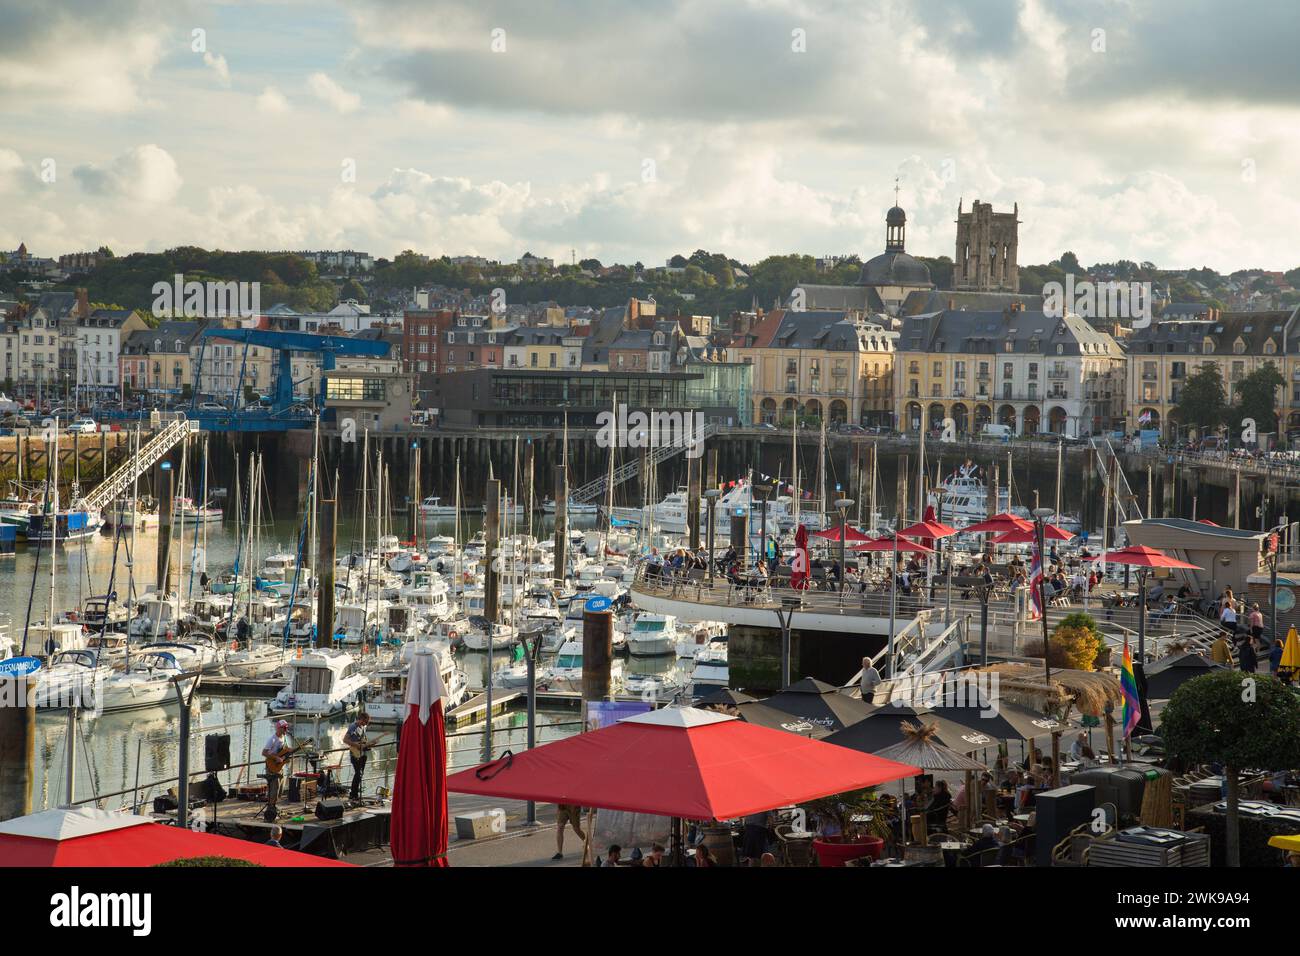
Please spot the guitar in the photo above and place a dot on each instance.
(275, 762)
(359, 749)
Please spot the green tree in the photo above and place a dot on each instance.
(1257, 397)
(1237, 720)
(1204, 402)
(352, 289)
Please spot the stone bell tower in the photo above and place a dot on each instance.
(985, 258)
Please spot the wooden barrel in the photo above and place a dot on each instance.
(721, 846)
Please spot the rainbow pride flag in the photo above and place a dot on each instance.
(1128, 684)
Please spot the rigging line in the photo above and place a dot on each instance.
(31, 594)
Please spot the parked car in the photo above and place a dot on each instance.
(212, 407)
(84, 425)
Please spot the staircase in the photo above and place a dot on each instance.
(595, 489)
(149, 455)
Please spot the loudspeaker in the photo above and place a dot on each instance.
(216, 752)
(331, 809)
(1057, 813)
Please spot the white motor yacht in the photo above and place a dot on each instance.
(324, 681)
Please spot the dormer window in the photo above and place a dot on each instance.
(1239, 347)
(1207, 346)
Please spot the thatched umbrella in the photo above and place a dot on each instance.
(1092, 693)
(920, 743)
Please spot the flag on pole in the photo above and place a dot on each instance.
(1035, 585)
(1145, 418)
(1128, 684)
(799, 565)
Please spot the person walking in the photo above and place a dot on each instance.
(566, 815)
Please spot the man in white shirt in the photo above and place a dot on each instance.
(276, 744)
(870, 680)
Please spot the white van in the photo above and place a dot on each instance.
(1000, 432)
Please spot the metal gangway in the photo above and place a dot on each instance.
(148, 455)
(1108, 467)
(594, 489)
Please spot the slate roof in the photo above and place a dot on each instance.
(1187, 337)
(957, 331)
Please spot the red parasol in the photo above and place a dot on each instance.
(999, 524)
(1029, 535)
(419, 822)
(87, 836)
(1140, 556)
(892, 543)
(680, 762)
(850, 534)
(928, 529)
(799, 565)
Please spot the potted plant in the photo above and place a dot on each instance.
(862, 819)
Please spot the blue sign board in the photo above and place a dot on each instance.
(598, 603)
(19, 666)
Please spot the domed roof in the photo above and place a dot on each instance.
(895, 268)
(896, 217)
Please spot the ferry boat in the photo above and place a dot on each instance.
(965, 501)
(324, 682)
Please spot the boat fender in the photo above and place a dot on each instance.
(452, 635)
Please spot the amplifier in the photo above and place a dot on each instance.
(330, 809)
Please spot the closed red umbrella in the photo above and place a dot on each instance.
(680, 762)
(799, 566)
(419, 821)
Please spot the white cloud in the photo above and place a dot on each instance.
(146, 174)
(217, 63)
(333, 95)
(272, 101)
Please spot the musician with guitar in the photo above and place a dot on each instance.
(276, 754)
(355, 738)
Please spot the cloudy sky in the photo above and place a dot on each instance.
(1166, 130)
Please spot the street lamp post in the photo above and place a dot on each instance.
(785, 614)
(843, 504)
(710, 500)
(1040, 527)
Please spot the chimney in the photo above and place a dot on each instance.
(83, 304)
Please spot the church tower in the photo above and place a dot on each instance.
(985, 259)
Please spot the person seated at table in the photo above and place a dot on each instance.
(1006, 837)
(936, 811)
(656, 856)
(613, 858)
(1156, 594)
(988, 840)
(1034, 757)
(1168, 609)
(1184, 593)
(1088, 759)
(1025, 792)
(703, 857)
